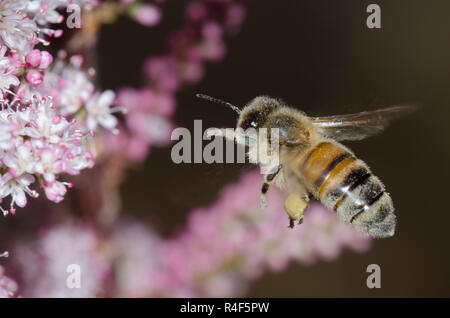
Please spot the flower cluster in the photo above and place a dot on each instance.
(49, 108)
(39, 144)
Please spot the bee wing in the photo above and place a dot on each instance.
(360, 125)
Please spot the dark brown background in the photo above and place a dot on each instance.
(320, 56)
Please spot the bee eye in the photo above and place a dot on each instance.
(252, 120)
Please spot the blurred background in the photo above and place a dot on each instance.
(320, 57)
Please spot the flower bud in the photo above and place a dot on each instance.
(34, 58)
(46, 60)
(34, 77)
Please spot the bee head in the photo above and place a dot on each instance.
(255, 113)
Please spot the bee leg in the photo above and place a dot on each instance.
(291, 223)
(268, 179)
(295, 204)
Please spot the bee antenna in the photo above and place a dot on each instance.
(219, 101)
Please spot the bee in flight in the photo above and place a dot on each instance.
(317, 166)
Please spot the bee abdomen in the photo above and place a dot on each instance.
(345, 184)
(359, 198)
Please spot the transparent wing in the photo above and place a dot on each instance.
(360, 125)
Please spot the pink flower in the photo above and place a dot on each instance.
(64, 248)
(7, 286)
(196, 11)
(137, 149)
(235, 15)
(133, 246)
(128, 98)
(149, 127)
(147, 14)
(161, 70)
(39, 59)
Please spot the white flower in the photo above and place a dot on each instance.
(7, 78)
(13, 5)
(6, 141)
(46, 123)
(17, 31)
(55, 191)
(69, 86)
(21, 160)
(48, 15)
(46, 11)
(99, 111)
(16, 187)
(77, 90)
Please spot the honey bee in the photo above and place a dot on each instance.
(312, 159)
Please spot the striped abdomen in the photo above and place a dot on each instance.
(345, 184)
